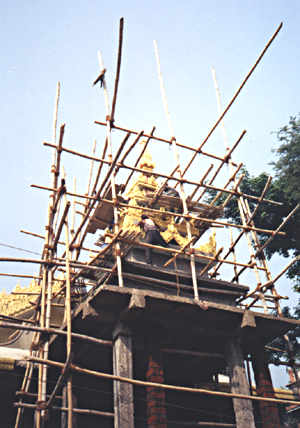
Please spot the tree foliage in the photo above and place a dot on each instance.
(280, 343)
(285, 188)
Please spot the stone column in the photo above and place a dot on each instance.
(122, 366)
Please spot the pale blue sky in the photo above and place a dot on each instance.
(46, 41)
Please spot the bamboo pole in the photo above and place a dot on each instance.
(36, 235)
(14, 275)
(68, 318)
(180, 252)
(262, 258)
(205, 269)
(178, 170)
(244, 209)
(114, 100)
(162, 385)
(99, 170)
(163, 140)
(61, 224)
(259, 251)
(234, 97)
(91, 168)
(275, 232)
(156, 174)
(225, 161)
(75, 410)
(230, 167)
(110, 174)
(269, 284)
(24, 387)
(41, 352)
(139, 157)
(229, 181)
(201, 182)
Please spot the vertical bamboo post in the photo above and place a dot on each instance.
(91, 169)
(178, 170)
(225, 139)
(112, 176)
(45, 305)
(68, 319)
(241, 202)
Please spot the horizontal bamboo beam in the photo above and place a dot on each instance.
(186, 216)
(56, 331)
(102, 342)
(160, 175)
(202, 424)
(37, 235)
(65, 409)
(31, 394)
(14, 275)
(163, 140)
(181, 252)
(136, 382)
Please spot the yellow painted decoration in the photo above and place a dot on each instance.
(13, 304)
(142, 192)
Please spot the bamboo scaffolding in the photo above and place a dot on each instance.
(99, 171)
(112, 163)
(274, 234)
(230, 166)
(245, 213)
(24, 387)
(229, 181)
(262, 258)
(187, 216)
(162, 385)
(31, 394)
(225, 161)
(207, 267)
(45, 301)
(178, 170)
(75, 410)
(139, 157)
(201, 181)
(14, 275)
(181, 252)
(271, 283)
(163, 140)
(68, 319)
(91, 168)
(259, 251)
(157, 174)
(36, 235)
(74, 239)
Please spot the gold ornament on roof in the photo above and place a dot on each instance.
(142, 192)
(22, 298)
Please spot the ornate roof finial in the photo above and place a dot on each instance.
(146, 161)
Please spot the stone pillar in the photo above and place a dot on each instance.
(269, 412)
(243, 409)
(122, 366)
(156, 398)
